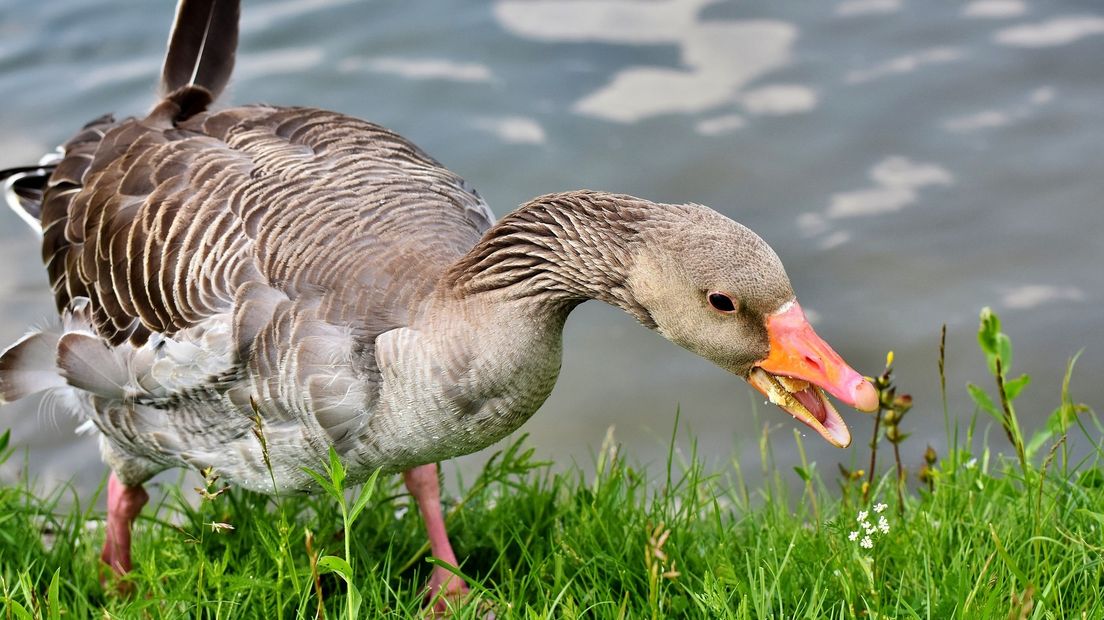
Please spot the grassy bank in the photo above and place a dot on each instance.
(974, 534)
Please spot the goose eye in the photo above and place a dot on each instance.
(721, 302)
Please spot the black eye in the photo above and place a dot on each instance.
(721, 302)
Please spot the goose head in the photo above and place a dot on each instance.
(716, 288)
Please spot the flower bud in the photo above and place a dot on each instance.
(902, 403)
(926, 475)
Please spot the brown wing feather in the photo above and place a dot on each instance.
(161, 222)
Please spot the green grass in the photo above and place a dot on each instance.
(985, 536)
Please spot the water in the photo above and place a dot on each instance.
(910, 161)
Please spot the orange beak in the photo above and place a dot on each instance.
(801, 367)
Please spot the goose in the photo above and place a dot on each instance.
(209, 262)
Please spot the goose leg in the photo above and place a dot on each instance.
(123, 505)
(444, 587)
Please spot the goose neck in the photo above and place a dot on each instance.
(558, 251)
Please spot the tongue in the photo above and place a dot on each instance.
(812, 401)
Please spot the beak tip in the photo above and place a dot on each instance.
(865, 397)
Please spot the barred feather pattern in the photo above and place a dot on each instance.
(564, 249)
(167, 226)
(254, 252)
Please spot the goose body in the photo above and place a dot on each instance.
(229, 259)
(321, 277)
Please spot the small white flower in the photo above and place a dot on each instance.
(853, 536)
(862, 515)
(867, 527)
(866, 543)
(972, 463)
(883, 524)
(879, 508)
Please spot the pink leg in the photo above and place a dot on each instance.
(444, 587)
(123, 505)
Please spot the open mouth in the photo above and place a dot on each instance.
(805, 402)
(800, 368)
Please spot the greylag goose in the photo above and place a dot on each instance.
(360, 293)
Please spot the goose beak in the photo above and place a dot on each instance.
(800, 368)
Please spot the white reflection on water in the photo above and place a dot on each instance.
(852, 8)
(608, 21)
(834, 240)
(513, 129)
(1032, 295)
(719, 125)
(262, 16)
(280, 61)
(896, 184)
(994, 9)
(1055, 31)
(897, 181)
(988, 119)
(779, 99)
(420, 68)
(877, 199)
(905, 64)
(718, 57)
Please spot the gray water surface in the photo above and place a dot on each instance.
(910, 160)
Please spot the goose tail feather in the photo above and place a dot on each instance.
(23, 190)
(29, 366)
(24, 187)
(202, 45)
(35, 362)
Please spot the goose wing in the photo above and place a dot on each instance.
(162, 227)
(254, 252)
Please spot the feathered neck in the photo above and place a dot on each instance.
(560, 250)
